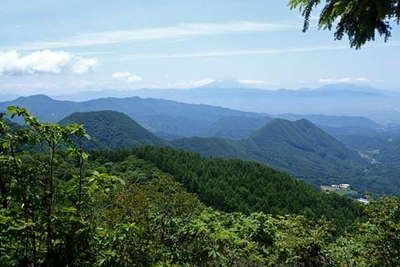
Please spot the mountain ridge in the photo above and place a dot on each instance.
(299, 147)
(111, 130)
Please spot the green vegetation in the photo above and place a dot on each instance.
(360, 21)
(111, 130)
(286, 145)
(235, 185)
(62, 207)
(347, 192)
(298, 147)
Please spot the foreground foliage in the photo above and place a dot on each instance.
(359, 20)
(59, 207)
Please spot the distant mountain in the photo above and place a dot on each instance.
(7, 97)
(332, 99)
(46, 108)
(112, 130)
(242, 127)
(236, 127)
(298, 147)
(334, 121)
(349, 89)
(335, 99)
(224, 84)
(157, 115)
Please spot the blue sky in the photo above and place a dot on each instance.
(61, 47)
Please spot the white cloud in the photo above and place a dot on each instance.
(84, 65)
(174, 32)
(345, 80)
(190, 84)
(127, 76)
(43, 62)
(252, 81)
(12, 63)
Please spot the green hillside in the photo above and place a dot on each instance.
(304, 149)
(214, 147)
(298, 147)
(235, 185)
(112, 130)
(384, 174)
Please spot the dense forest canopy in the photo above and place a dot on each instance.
(235, 185)
(60, 206)
(111, 130)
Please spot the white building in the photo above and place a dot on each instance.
(344, 186)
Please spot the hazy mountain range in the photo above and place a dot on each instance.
(173, 119)
(317, 148)
(334, 99)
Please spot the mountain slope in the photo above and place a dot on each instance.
(214, 147)
(298, 147)
(112, 130)
(234, 185)
(302, 148)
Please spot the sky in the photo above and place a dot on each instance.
(63, 47)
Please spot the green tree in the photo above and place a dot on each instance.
(360, 20)
(375, 241)
(31, 206)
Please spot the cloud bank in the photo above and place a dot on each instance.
(345, 80)
(13, 63)
(127, 76)
(84, 65)
(190, 84)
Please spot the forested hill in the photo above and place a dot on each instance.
(304, 148)
(112, 130)
(241, 127)
(235, 185)
(298, 147)
(60, 206)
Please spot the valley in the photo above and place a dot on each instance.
(318, 149)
